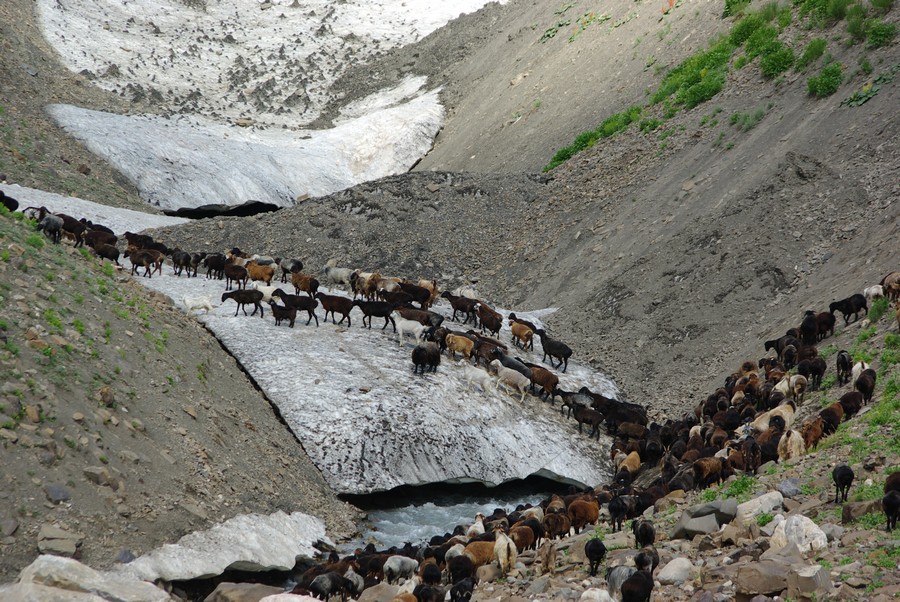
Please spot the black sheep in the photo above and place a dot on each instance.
(825, 322)
(282, 313)
(244, 297)
(329, 584)
(428, 593)
(462, 590)
(427, 357)
(852, 305)
(843, 477)
(647, 560)
(431, 574)
(215, 266)
(851, 402)
(378, 309)
(644, 533)
(8, 202)
(638, 587)
(809, 328)
(595, 552)
(460, 568)
(865, 384)
(618, 510)
(555, 349)
(106, 251)
(891, 500)
(52, 226)
(300, 303)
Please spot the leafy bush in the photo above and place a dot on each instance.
(827, 82)
(734, 7)
(777, 62)
(610, 126)
(699, 76)
(744, 28)
(881, 34)
(856, 22)
(650, 124)
(837, 9)
(814, 50)
(882, 5)
(762, 41)
(35, 240)
(764, 519)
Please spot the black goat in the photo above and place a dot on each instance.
(426, 356)
(299, 303)
(644, 533)
(844, 367)
(378, 309)
(244, 297)
(843, 477)
(463, 304)
(638, 587)
(891, 500)
(809, 328)
(865, 384)
(555, 349)
(595, 552)
(283, 313)
(852, 305)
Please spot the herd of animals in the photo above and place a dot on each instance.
(748, 421)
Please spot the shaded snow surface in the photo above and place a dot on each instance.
(370, 424)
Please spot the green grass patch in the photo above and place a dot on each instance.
(826, 82)
(880, 34)
(836, 10)
(865, 492)
(865, 334)
(747, 121)
(878, 309)
(777, 61)
(697, 78)
(887, 557)
(650, 124)
(812, 53)
(764, 519)
(882, 6)
(872, 520)
(828, 381)
(744, 28)
(892, 341)
(610, 126)
(52, 318)
(35, 240)
(762, 41)
(857, 25)
(735, 7)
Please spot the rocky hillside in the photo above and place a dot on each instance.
(123, 422)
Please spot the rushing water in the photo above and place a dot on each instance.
(415, 515)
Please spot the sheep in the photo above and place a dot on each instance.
(595, 594)
(143, 259)
(858, 368)
(458, 343)
(490, 320)
(616, 577)
(708, 471)
(304, 282)
(378, 309)
(282, 313)
(192, 303)
(52, 226)
(843, 477)
(582, 513)
(330, 584)
(557, 525)
(426, 356)
(478, 376)
(429, 572)
(335, 304)
(409, 327)
(300, 303)
(891, 500)
(461, 304)
(459, 566)
(555, 349)
(7, 201)
(420, 295)
(422, 316)
(865, 384)
(638, 587)
(789, 356)
(843, 367)
(522, 336)
(590, 416)
(825, 324)
(523, 537)
(92, 238)
(647, 559)
(105, 251)
(462, 590)
(644, 533)
(398, 566)
(505, 552)
(812, 430)
(215, 266)
(873, 292)
(480, 552)
(809, 328)
(237, 274)
(288, 266)
(477, 527)
(790, 445)
(548, 381)
(508, 377)
(851, 403)
(631, 464)
(831, 418)
(594, 551)
(244, 297)
(336, 275)
(798, 385)
(261, 273)
(852, 305)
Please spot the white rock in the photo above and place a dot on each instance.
(596, 595)
(249, 542)
(768, 502)
(677, 570)
(65, 580)
(800, 530)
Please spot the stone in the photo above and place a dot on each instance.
(56, 578)
(764, 577)
(124, 556)
(732, 532)
(33, 414)
(724, 510)
(107, 396)
(57, 493)
(789, 488)
(832, 532)
(805, 581)
(9, 435)
(241, 592)
(802, 532)
(383, 592)
(768, 502)
(854, 510)
(676, 571)
(538, 586)
(687, 527)
(788, 555)
(97, 475)
(8, 526)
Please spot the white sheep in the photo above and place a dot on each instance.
(409, 327)
(477, 528)
(465, 291)
(858, 367)
(595, 594)
(511, 379)
(453, 552)
(535, 512)
(873, 292)
(477, 376)
(798, 387)
(265, 290)
(791, 445)
(505, 552)
(336, 275)
(192, 303)
(398, 566)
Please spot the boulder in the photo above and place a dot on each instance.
(676, 571)
(854, 510)
(806, 581)
(241, 592)
(832, 532)
(801, 531)
(538, 586)
(724, 510)
(289, 598)
(488, 573)
(55, 578)
(688, 528)
(764, 577)
(768, 502)
(383, 592)
(789, 488)
(732, 533)
(59, 542)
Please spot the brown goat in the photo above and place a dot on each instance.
(480, 552)
(583, 513)
(255, 271)
(304, 282)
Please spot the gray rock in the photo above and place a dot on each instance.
(383, 592)
(676, 571)
(241, 592)
(724, 510)
(488, 573)
(854, 510)
(538, 586)
(8, 526)
(57, 493)
(800, 531)
(832, 532)
(789, 488)
(124, 556)
(764, 577)
(768, 502)
(804, 581)
(688, 527)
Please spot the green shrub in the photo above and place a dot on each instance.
(699, 76)
(744, 28)
(650, 124)
(610, 126)
(892, 341)
(856, 22)
(814, 50)
(734, 7)
(837, 9)
(741, 61)
(880, 34)
(761, 41)
(764, 519)
(826, 83)
(878, 309)
(882, 6)
(785, 16)
(865, 66)
(777, 62)
(35, 240)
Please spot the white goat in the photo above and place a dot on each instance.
(409, 327)
(477, 376)
(477, 528)
(265, 290)
(505, 552)
(398, 566)
(873, 292)
(192, 303)
(511, 379)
